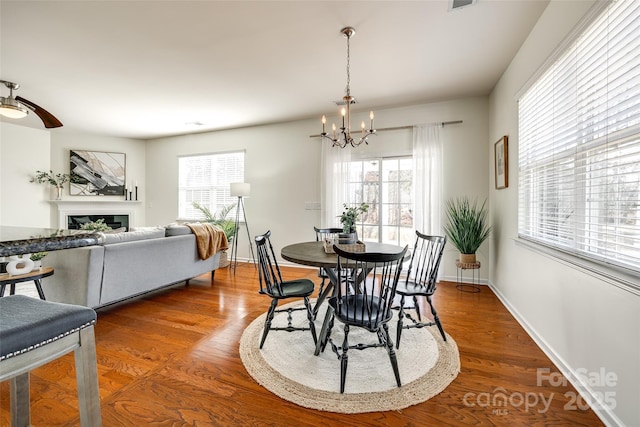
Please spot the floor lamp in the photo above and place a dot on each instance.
(239, 190)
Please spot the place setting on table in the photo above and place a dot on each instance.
(302, 367)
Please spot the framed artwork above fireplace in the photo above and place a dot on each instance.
(96, 173)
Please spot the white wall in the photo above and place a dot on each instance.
(23, 151)
(282, 164)
(581, 320)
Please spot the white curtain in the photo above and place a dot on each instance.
(335, 183)
(427, 178)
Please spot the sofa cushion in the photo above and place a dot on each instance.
(153, 228)
(130, 236)
(116, 230)
(177, 230)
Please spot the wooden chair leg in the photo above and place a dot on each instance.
(344, 359)
(268, 320)
(87, 378)
(311, 318)
(322, 339)
(399, 327)
(20, 401)
(392, 354)
(436, 319)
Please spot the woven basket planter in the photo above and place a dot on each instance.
(468, 258)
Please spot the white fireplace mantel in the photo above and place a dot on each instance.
(94, 207)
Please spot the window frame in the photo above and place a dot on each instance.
(228, 199)
(381, 203)
(612, 271)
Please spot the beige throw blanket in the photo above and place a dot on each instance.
(209, 239)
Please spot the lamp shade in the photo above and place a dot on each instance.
(13, 111)
(240, 189)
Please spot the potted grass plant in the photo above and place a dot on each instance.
(219, 218)
(466, 226)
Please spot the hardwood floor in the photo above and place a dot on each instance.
(171, 359)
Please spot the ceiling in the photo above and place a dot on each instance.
(147, 69)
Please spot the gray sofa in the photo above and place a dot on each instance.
(125, 265)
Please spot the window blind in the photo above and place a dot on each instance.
(205, 179)
(579, 144)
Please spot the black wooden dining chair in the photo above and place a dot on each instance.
(420, 282)
(271, 284)
(322, 234)
(366, 305)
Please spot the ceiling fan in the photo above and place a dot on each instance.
(18, 107)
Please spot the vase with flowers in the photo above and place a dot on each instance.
(56, 180)
(348, 220)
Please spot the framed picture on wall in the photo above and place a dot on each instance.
(502, 162)
(96, 173)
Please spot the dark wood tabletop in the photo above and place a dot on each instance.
(313, 253)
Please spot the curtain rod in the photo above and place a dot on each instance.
(453, 122)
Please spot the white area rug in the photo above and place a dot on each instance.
(287, 367)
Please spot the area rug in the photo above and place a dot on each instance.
(287, 367)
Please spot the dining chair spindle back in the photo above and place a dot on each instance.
(365, 303)
(420, 282)
(271, 284)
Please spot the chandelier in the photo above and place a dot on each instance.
(343, 138)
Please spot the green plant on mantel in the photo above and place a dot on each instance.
(219, 218)
(350, 215)
(55, 180)
(97, 225)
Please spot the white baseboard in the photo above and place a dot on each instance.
(605, 414)
(466, 280)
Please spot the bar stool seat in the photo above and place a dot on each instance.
(34, 332)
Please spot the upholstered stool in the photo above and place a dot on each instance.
(34, 332)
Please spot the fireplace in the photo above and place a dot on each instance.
(74, 222)
(116, 214)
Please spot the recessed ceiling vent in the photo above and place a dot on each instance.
(458, 4)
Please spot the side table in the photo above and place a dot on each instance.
(35, 276)
(474, 286)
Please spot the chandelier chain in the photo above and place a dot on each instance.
(348, 66)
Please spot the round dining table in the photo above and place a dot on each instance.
(314, 255)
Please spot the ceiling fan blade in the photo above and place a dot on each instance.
(47, 118)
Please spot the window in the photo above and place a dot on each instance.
(386, 186)
(579, 151)
(205, 179)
